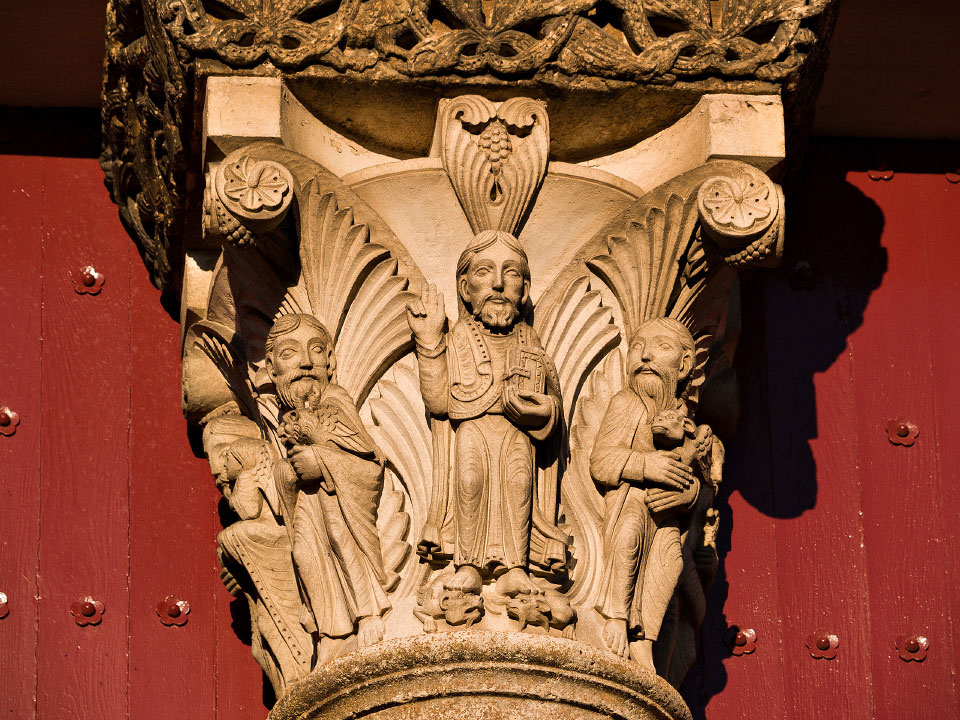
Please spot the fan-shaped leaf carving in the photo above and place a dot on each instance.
(582, 503)
(576, 330)
(401, 430)
(353, 288)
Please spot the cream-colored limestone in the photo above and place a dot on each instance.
(731, 127)
(481, 675)
(460, 391)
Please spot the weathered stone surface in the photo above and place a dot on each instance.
(416, 437)
(480, 675)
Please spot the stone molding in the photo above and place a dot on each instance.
(660, 57)
(481, 674)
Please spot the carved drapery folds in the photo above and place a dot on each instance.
(528, 462)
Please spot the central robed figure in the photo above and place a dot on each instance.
(490, 377)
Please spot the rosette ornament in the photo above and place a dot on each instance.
(742, 213)
(246, 197)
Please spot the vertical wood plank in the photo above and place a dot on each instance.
(85, 406)
(173, 525)
(21, 197)
(892, 356)
(941, 258)
(814, 446)
(746, 592)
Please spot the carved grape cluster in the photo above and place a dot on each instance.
(495, 141)
(236, 233)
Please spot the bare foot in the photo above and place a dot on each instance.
(370, 631)
(467, 579)
(641, 651)
(615, 636)
(515, 581)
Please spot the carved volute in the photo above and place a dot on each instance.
(454, 279)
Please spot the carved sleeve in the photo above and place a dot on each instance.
(613, 460)
(246, 499)
(434, 382)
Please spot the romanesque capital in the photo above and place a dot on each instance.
(459, 294)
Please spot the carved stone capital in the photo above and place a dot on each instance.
(458, 324)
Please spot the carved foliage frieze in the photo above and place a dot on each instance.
(625, 39)
(527, 464)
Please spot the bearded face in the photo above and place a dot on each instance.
(494, 288)
(657, 362)
(299, 364)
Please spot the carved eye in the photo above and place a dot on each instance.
(512, 273)
(482, 271)
(287, 353)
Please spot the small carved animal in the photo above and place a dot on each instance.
(528, 609)
(461, 608)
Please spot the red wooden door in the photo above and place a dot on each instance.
(826, 525)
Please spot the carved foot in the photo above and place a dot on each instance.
(615, 636)
(516, 581)
(641, 651)
(466, 580)
(370, 630)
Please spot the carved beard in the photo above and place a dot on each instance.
(495, 315)
(655, 389)
(295, 389)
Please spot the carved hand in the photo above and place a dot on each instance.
(660, 500)
(526, 409)
(308, 468)
(426, 316)
(665, 468)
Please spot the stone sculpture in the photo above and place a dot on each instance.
(255, 553)
(644, 459)
(520, 464)
(331, 501)
(491, 378)
(441, 465)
